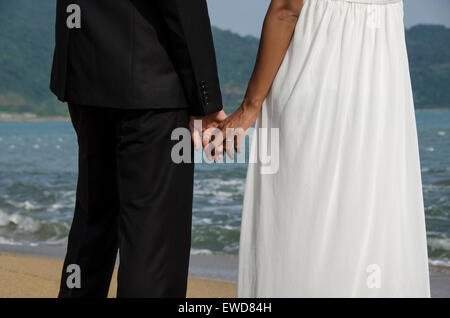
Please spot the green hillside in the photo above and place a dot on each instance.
(26, 45)
(26, 40)
(429, 57)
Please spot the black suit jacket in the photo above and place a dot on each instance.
(135, 54)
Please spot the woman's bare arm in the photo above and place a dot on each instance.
(278, 28)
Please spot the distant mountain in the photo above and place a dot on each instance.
(235, 58)
(429, 58)
(26, 47)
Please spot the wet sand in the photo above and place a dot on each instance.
(34, 272)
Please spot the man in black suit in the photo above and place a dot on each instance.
(132, 71)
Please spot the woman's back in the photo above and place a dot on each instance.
(343, 216)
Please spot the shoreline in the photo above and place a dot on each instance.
(221, 268)
(34, 272)
(32, 118)
(26, 276)
(35, 120)
(209, 275)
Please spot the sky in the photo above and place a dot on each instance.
(246, 16)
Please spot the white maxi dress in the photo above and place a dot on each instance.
(342, 215)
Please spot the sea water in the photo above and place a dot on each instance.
(38, 164)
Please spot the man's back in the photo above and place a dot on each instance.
(132, 74)
(136, 54)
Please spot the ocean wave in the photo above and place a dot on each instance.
(55, 241)
(25, 205)
(218, 191)
(205, 221)
(229, 227)
(440, 186)
(8, 241)
(201, 252)
(25, 223)
(435, 170)
(232, 249)
(31, 229)
(439, 243)
(439, 262)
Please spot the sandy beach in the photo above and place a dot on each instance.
(24, 276)
(34, 272)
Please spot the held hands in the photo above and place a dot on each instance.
(202, 126)
(220, 132)
(234, 128)
(279, 26)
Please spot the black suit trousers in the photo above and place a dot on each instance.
(130, 197)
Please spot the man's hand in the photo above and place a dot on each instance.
(209, 121)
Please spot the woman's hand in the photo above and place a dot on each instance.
(235, 127)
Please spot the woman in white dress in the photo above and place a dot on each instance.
(343, 216)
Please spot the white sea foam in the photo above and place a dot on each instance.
(25, 223)
(218, 190)
(205, 221)
(66, 194)
(58, 206)
(439, 262)
(229, 227)
(25, 205)
(439, 243)
(231, 249)
(56, 241)
(434, 187)
(201, 252)
(7, 241)
(4, 218)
